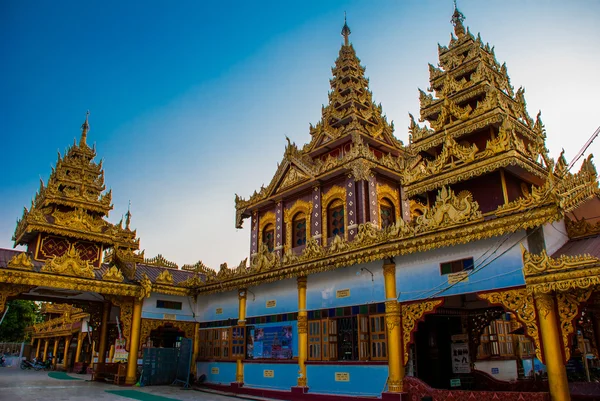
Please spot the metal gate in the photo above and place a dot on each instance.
(166, 365)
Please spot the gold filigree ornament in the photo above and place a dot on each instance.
(125, 305)
(146, 287)
(113, 274)
(148, 325)
(521, 303)
(11, 290)
(69, 264)
(581, 228)
(569, 304)
(411, 315)
(449, 210)
(160, 261)
(193, 282)
(545, 274)
(21, 261)
(164, 278)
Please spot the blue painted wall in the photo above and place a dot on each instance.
(284, 292)
(150, 311)
(226, 373)
(364, 379)
(285, 377)
(208, 305)
(364, 288)
(418, 276)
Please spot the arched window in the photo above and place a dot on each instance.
(299, 230)
(386, 209)
(335, 218)
(268, 237)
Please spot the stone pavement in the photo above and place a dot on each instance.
(29, 385)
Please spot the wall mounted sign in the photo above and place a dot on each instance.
(268, 373)
(342, 376)
(495, 371)
(342, 293)
(214, 371)
(461, 363)
(454, 382)
(454, 278)
(169, 316)
(271, 303)
(219, 311)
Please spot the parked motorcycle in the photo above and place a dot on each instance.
(47, 365)
(25, 364)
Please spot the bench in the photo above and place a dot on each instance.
(109, 371)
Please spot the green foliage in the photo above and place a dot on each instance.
(21, 314)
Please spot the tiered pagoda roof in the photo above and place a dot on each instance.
(73, 202)
(469, 94)
(352, 131)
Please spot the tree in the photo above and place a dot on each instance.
(21, 314)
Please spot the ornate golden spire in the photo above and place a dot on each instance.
(128, 217)
(346, 31)
(457, 21)
(85, 127)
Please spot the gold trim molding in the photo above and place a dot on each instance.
(411, 315)
(520, 302)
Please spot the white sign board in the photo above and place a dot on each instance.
(461, 363)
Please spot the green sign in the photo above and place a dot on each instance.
(454, 382)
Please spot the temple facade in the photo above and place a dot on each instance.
(465, 261)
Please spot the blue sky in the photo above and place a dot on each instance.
(191, 101)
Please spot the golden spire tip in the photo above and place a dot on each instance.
(345, 31)
(85, 127)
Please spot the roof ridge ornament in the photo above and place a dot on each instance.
(85, 127)
(457, 21)
(346, 31)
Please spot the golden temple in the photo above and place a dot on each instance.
(474, 237)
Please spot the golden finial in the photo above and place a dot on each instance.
(85, 127)
(345, 31)
(457, 21)
(128, 216)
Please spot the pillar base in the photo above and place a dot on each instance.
(129, 381)
(236, 385)
(387, 396)
(299, 390)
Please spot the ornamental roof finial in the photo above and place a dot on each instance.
(345, 31)
(85, 127)
(128, 216)
(457, 21)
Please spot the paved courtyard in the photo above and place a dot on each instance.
(28, 385)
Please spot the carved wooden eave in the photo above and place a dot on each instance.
(510, 160)
(581, 228)
(35, 279)
(461, 128)
(546, 274)
(380, 245)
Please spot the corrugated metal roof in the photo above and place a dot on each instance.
(575, 247)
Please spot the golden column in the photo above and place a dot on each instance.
(66, 354)
(394, 329)
(111, 353)
(302, 332)
(54, 358)
(196, 347)
(46, 342)
(103, 335)
(242, 295)
(552, 347)
(134, 341)
(79, 345)
(37, 352)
